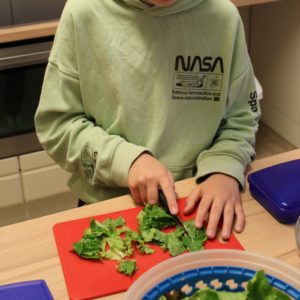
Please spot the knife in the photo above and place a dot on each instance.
(164, 203)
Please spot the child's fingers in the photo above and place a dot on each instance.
(202, 211)
(240, 218)
(135, 195)
(192, 200)
(228, 216)
(214, 217)
(138, 191)
(171, 178)
(142, 190)
(168, 190)
(152, 193)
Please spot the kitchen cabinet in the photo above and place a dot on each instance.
(32, 185)
(41, 176)
(44, 182)
(11, 190)
(5, 16)
(26, 11)
(9, 166)
(10, 182)
(35, 160)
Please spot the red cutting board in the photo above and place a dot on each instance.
(86, 279)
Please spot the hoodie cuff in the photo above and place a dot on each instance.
(220, 164)
(125, 154)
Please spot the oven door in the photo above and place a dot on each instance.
(22, 67)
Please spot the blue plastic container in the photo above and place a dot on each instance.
(277, 189)
(27, 290)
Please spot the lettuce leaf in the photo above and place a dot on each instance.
(153, 216)
(127, 267)
(112, 239)
(258, 288)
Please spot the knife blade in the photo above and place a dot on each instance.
(164, 203)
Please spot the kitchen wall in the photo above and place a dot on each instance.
(275, 51)
(245, 15)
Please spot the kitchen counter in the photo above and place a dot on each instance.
(31, 31)
(28, 249)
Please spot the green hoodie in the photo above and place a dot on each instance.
(124, 78)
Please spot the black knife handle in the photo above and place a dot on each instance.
(163, 201)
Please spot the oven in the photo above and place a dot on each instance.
(22, 67)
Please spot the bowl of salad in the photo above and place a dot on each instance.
(218, 275)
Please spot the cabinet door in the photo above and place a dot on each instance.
(28, 11)
(5, 15)
(44, 182)
(9, 166)
(11, 190)
(10, 182)
(35, 160)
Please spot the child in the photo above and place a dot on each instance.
(139, 94)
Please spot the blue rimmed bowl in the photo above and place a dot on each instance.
(222, 269)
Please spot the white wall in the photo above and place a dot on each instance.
(275, 53)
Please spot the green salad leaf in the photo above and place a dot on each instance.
(127, 267)
(112, 239)
(88, 248)
(258, 288)
(153, 216)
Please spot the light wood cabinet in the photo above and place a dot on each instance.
(32, 185)
(44, 182)
(35, 160)
(9, 166)
(32, 177)
(11, 190)
(10, 182)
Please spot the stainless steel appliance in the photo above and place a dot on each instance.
(15, 12)
(22, 67)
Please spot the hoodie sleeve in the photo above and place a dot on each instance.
(73, 140)
(233, 146)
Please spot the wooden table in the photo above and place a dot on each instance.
(28, 250)
(42, 29)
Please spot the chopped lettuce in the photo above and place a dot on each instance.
(258, 288)
(153, 216)
(127, 267)
(112, 239)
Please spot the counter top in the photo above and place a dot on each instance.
(31, 31)
(28, 249)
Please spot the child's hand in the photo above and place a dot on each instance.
(146, 175)
(219, 195)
